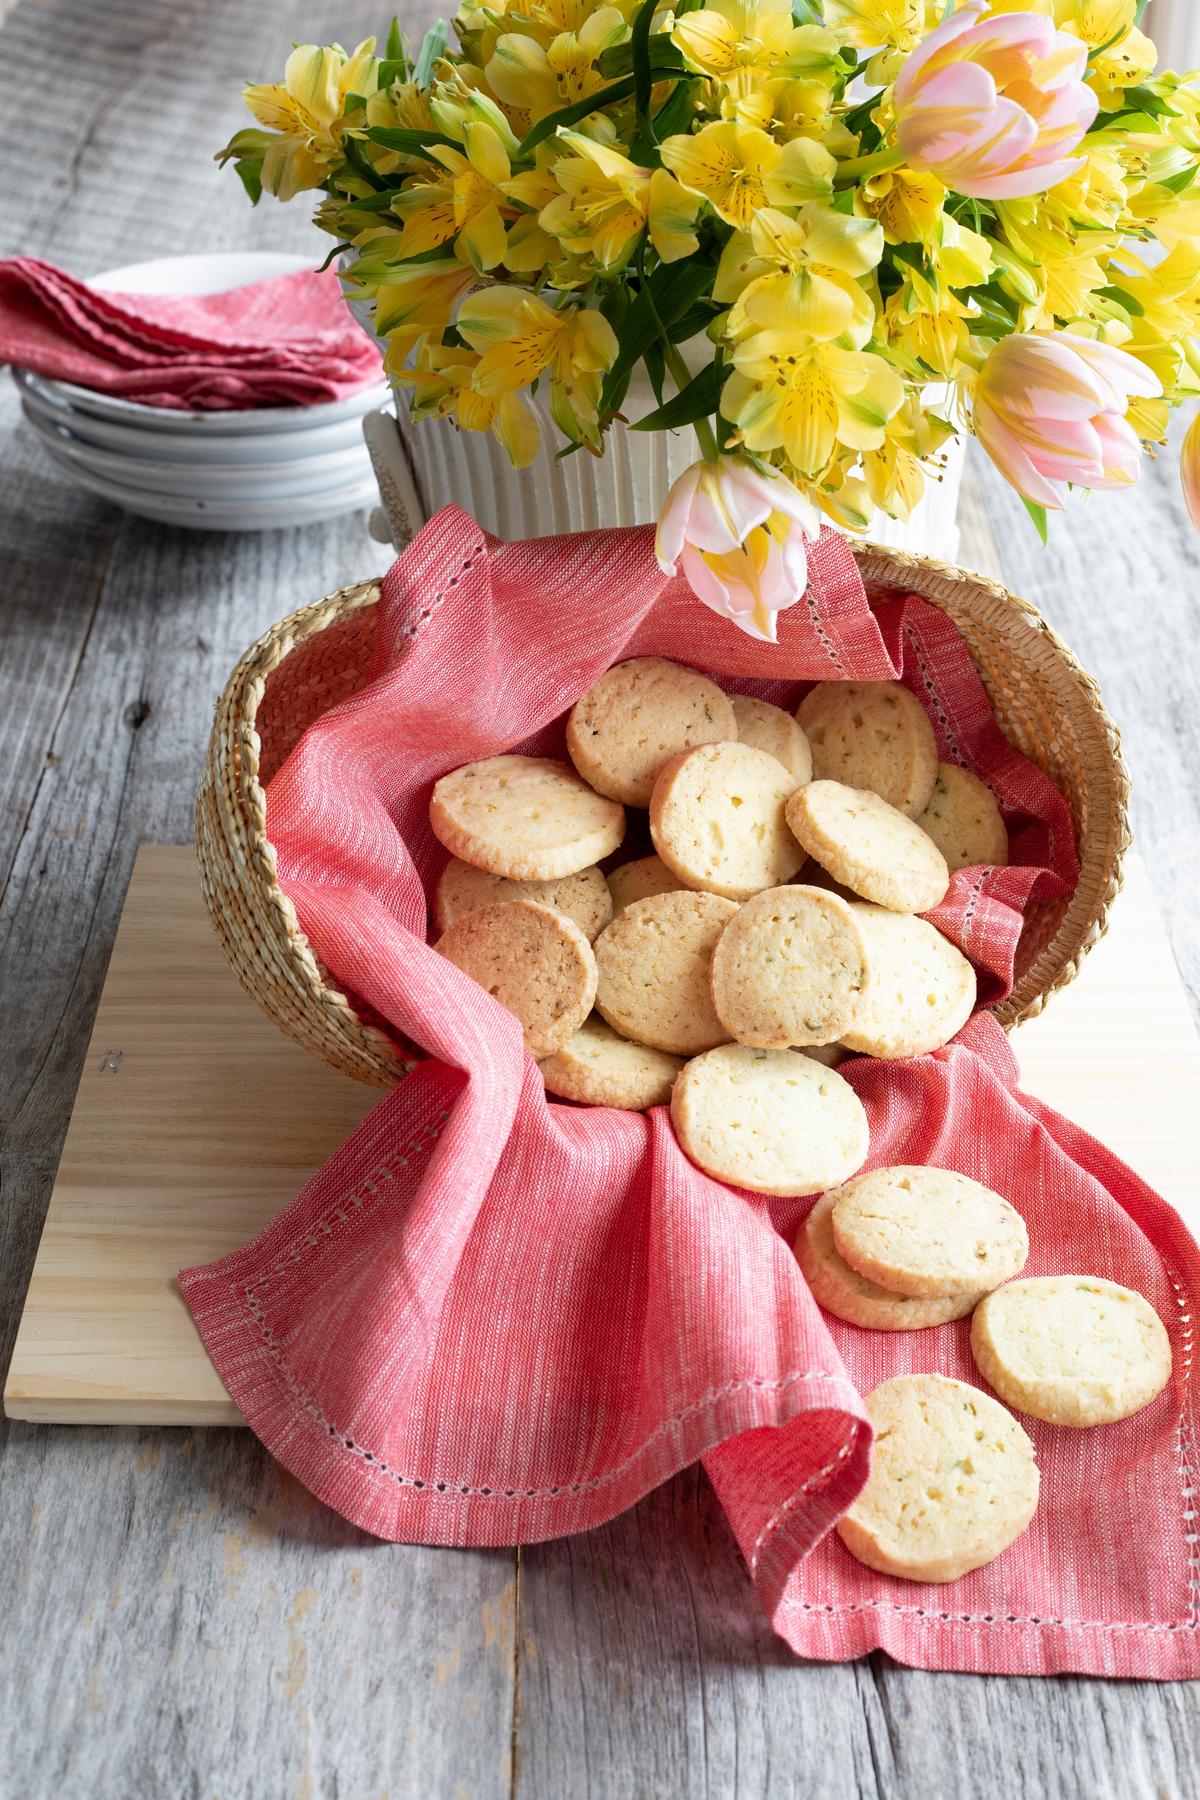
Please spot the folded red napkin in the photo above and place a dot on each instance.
(287, 341)
(493, 1318)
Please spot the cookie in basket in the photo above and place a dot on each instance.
(583, 897)
(636, 716)
(717, 820)
(638, 880)
(872, 734)
(953, 1481)
(653, 966)
(789, 969)
(527, 817)
(773, 1121)
(964, 820)
(869, 846)
(771, 729)
(535, 962)
(600, 1068)
(1071, 1349)
(848, 1295)
(928, 1232)
(921, 989)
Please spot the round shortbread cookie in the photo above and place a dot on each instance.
(583, 897)
(1071, 1349)
(953, 1481)
(653, 963)
(872, 734)
(789, 969)
(773, 1121)
(717, 819)
(638, 880)
(964, 821)
(535, 962)
(848, 1295)
(928, 1232)
(636, 716)
(920, 988)
(769, 728)
(601, 1068)
(869, 845)
(526, 817)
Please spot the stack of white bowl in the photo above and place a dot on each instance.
(213, 471)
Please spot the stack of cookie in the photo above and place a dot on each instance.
(694, 975)
(953, 1479)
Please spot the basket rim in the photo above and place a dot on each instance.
(1083, 924)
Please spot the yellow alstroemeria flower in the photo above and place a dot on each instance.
(411, 301)
(1121, 54)
(604, 200)
(403, 105)
(743, 43)
(960, 257)
(440, 383)
(896, 473)
(539, 79)
(520, 338)
(1060, 264)
(308, 110)
(927, 322)
(789, 106)
(802, 385)
(891, 28)
(907, 203)
(820, 244)
(464, 203)
(739, 170)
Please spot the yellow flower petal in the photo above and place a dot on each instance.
(671, 218)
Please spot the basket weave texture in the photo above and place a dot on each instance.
(1047, 706)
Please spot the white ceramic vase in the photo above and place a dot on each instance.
(421, 468)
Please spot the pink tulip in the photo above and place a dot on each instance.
(740, 534)
(1189, 470)
(992, 106)
(1050, 409)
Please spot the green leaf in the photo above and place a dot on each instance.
(337, 250)
(394, 47)
(249, 169)
(656, 368)
(360, 162)
(433, 45)
(697, 401)
(1122, 299)
(571, 115)
(618, 58)
(669, 293)
(1038, 515)
(807, 12)
(1184, 179)
(643, 79)
(414, 141)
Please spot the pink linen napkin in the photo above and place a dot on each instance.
(287, 341)
(494, 1318)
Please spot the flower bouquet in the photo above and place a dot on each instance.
(831, 239)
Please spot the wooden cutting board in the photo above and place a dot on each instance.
(196, 1120)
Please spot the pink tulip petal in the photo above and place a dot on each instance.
(1023, 182)
(1123, 375)
(1014, 462)
(953, 28)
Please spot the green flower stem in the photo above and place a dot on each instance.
(861, 168)
(673, 358)
(682, 375)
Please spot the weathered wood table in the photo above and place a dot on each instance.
(177, 1616)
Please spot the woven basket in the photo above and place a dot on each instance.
(1047, 706)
